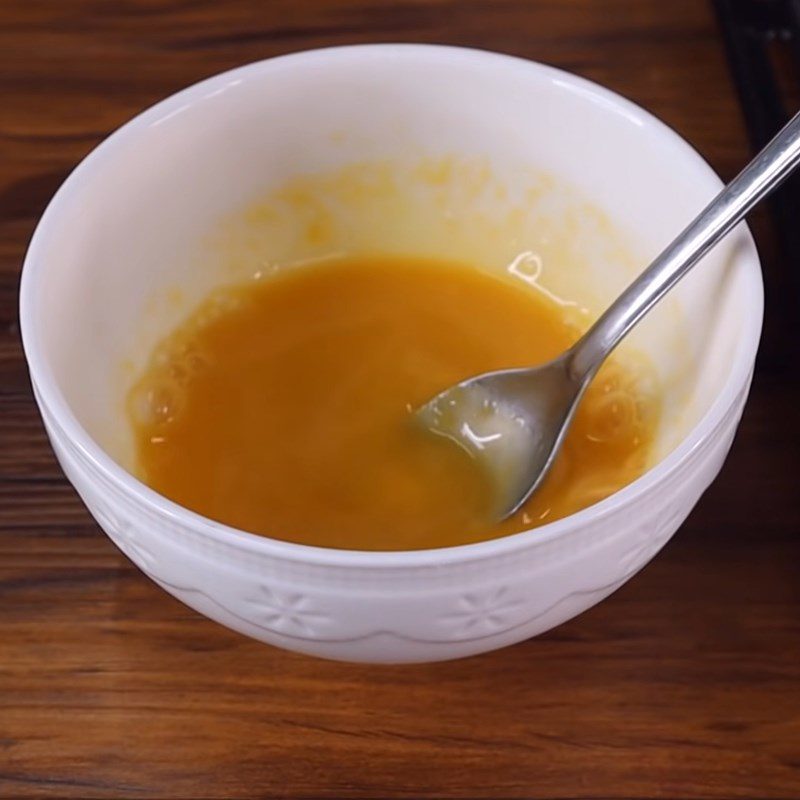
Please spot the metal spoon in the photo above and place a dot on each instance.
(515, 420)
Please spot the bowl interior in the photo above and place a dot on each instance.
(466, 154)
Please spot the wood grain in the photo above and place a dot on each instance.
(686, 683)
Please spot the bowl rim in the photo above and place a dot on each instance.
(51, 398)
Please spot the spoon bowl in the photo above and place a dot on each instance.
(511, 421)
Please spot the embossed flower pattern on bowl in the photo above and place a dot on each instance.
(126, 537)
(652, 536)
(481, 613)
(286, 612)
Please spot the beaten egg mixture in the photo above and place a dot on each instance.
(284, 406)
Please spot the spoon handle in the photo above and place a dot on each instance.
(760, 177)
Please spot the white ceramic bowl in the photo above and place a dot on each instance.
(115, 232)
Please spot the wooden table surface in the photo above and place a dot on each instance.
(685, 683)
